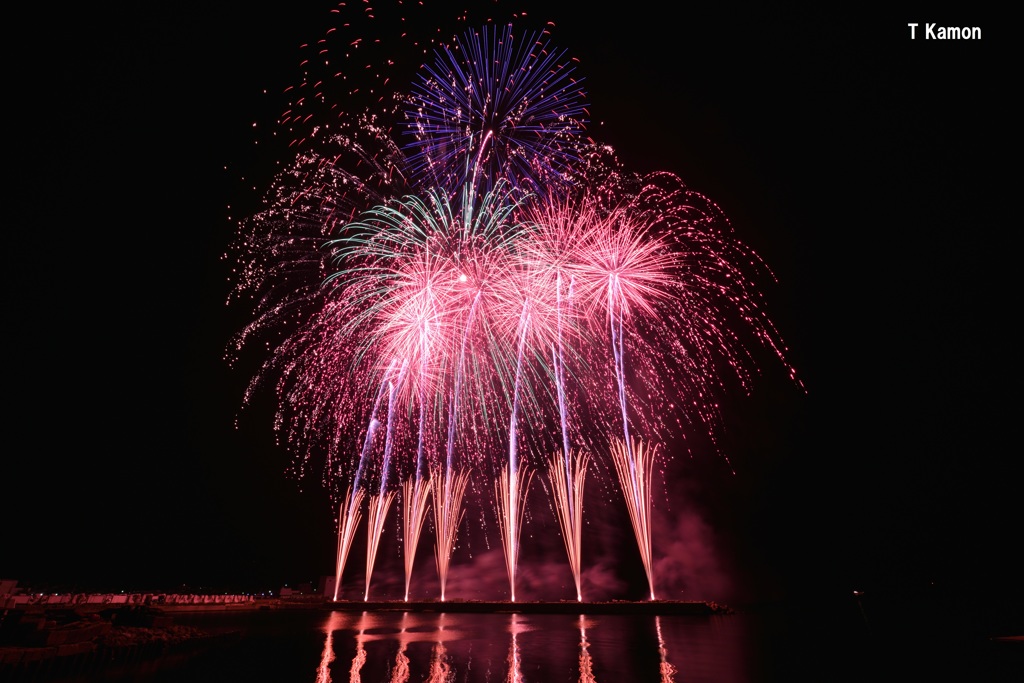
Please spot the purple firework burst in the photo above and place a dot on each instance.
(496, 106)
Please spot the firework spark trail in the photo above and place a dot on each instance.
(405, 314)
(567, 482)
(421, 461)
(453, 411)
(511, 500)
(635, 466)
(378, 511)
(348, 520)
(513, 427)
(511, 489)
(627, 466)
(552, 256)
(558, 361)
(508, 94)
(415, 496)
(394, 388)
(615, 326)
(381, 502)
(629, 269)
(449, 488)
(416, 489)
(350, 514)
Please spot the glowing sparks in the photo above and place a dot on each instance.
(498, 104)
(510, 489)
(415, 496)
(634, 466)
(449, 489)
(567, 480)
(348, 520)
(455, 280)
(379, 505)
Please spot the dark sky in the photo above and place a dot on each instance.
(860, 164)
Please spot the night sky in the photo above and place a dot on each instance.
(860, 164)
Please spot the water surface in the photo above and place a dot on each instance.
(759, 646)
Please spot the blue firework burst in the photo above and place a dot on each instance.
(494, 106)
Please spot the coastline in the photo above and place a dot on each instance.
(169, 603)
(664, 607)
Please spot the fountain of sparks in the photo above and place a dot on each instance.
(350, 510)
(348, 520)
(416, 490)
(415, 496)
(513, 484)
(567, 479)
(634, 466)
(449, 489)
(450, 485)
(380, 503)
(567, 474)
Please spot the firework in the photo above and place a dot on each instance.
(635, 464)
(496, 105)
(510, 498)
(453, 281)
(415, 492)
(449, 489)
(379, 506)
(348, 520)
(567, 481)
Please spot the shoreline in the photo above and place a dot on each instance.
(170, 604)
(683, 607)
